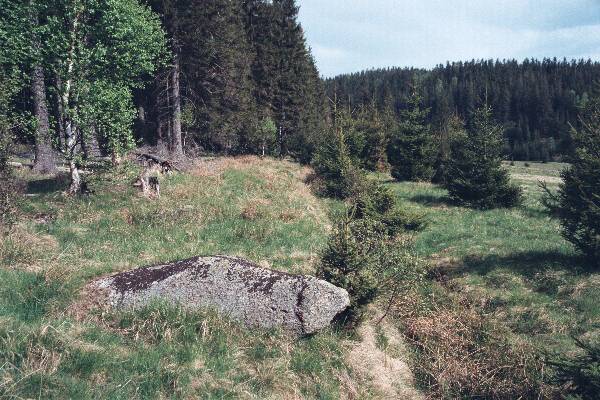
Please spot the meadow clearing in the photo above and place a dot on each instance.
(513, 265)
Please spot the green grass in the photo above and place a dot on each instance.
(514, 261)
(549, 169)
(260, 210)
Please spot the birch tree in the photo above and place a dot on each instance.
(100, 50)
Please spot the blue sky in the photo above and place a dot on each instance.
(351, 35)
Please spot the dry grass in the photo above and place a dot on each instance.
(256, 208)
(59, 343)
(21, 248)
(463, 352)
(536, 178)
(215, 166)
(278, 176)
(385, 370)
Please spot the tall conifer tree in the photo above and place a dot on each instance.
(578, 199)
(411, 150)
(475, 175)
(218, 71)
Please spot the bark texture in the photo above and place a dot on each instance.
(176, 138)
(45, 160)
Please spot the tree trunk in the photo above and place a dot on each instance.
(161, 143)
(169, 111)
(62, 143)
(160, 133)
(176, 142)
(75, 187)
(160, 103)
(71, 132)
(45, 161)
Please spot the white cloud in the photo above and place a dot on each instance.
(329, 53)
(350, 35)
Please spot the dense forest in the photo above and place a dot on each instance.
(90, 78)
(241, 78)
(535, 101)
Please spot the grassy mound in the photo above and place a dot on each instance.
(258, 209)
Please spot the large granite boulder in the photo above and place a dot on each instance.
(246, 292)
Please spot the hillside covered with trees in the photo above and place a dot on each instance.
(535, 101)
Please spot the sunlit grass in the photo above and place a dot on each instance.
(516, 259)
(257, 209)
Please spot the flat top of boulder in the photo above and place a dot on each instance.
(142, 278)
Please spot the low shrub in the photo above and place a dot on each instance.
(351, 258)
(375, 201)
(580, 373)
(364, 259)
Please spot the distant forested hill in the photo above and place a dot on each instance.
(536, 101)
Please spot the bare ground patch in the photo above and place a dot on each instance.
(387, 372)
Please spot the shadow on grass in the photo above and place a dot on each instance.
(526, 264)
(432, 200)
(537, 213)
(48, 185)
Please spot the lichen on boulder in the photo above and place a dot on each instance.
(256, 296)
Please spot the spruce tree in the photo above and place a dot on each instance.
(578, 198)
(290, 51)
(453, 127)
(307, 136)
(336, 162)
(533, 96)
(475, 176)
(286, 80)
(411, 150)
(376, 132)
(217, 67)
(261, 31)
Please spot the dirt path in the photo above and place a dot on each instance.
(383, 365)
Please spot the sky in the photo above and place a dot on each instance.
(353, 35)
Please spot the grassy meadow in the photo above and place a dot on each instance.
(260, 210)
(514, 260)
(507, 287)
(514, 263)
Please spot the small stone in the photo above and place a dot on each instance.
(256, 296)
